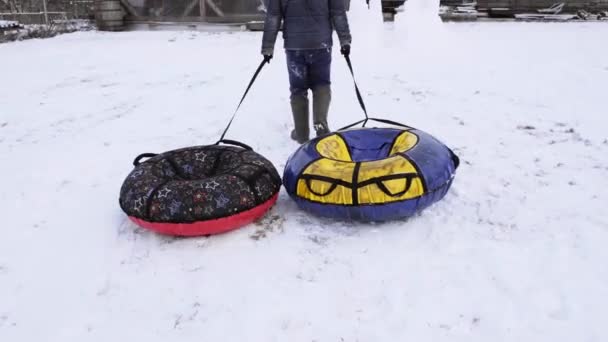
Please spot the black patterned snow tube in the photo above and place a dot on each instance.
(201, 190)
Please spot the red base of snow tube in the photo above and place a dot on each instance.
(209, 227)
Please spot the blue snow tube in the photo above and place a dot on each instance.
(370, 174)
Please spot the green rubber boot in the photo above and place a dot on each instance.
(300, 111)
(321, 97)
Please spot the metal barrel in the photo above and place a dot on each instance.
(109, 15)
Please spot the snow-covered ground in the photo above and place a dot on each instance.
(515, 252)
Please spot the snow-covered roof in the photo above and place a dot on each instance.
(8, 24)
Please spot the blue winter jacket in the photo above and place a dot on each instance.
(307, 24)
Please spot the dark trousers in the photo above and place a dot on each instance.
(308, 69)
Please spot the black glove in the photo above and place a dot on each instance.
(267, 58)
(345, 50)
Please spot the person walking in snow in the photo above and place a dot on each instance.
(307, 33)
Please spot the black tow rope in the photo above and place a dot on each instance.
(359, 97)
(455, 158)
(139, 158)
(362, 104)
(257, 72)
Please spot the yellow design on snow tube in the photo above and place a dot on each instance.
(336, 179)
(334, 147)
(332, 184)
(404, 142)
(396, 174)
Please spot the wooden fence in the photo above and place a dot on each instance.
(41, 12)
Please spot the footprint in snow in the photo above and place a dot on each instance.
(3, 319)
(266, 226)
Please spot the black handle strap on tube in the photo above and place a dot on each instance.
(455, 159)
(235, 143)
(354, 124)
(138, 159)
(390, 122)
(257, 72)
(364, 121)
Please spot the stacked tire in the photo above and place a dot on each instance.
(109, 15)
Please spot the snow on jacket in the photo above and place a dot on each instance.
(307, 24)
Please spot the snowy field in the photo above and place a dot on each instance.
(515, 252)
